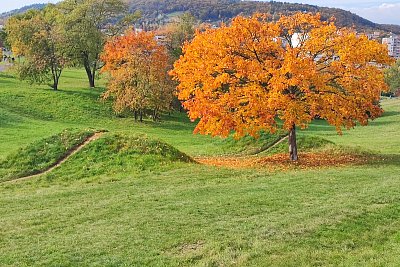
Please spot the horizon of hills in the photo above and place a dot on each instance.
(155, 11)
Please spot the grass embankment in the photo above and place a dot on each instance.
(112, 204)
(41, 155)
(115, 155)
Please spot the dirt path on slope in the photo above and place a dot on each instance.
(276, 143)
(62, 160)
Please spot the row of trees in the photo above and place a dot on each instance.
(95, 35)
(252, 75)
(72, 33)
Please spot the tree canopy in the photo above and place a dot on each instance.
(257, 74)
(392, 77)
(88, 24)
(177, 33)
(38, 36)
(138, 68)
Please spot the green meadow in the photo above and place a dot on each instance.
(137, 197)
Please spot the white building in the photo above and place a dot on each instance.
(393, 44)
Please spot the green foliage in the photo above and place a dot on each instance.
(38, 36)
(3, 39)
(392, 77)
(41, 155)
(179, 32)
(88, 24)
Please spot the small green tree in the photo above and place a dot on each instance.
(3, 39)
(392, 77)
(88, 24)
(177, 33)
(37, 36)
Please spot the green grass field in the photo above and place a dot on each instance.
(134, 197)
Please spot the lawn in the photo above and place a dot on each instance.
(132, 198)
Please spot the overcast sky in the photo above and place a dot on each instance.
(386, 11)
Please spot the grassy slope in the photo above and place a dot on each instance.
(42, 155)
(186, 213)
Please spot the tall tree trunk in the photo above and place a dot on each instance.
(94, 69)
(141, 115)
(293, 144)
(90, 74)
(56, 77)
(136, 115)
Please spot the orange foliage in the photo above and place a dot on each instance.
(138, 67)
(248, 76)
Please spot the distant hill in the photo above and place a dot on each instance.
(4, 16)
(217, 10)
(223, 10)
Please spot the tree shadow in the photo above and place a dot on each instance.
(9, 121)
(6, 75)
(390, 114)
(385, 160)
(94, 94)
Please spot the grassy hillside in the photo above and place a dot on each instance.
(134, 197)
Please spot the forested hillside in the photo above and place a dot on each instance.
(223, 10)
(214, 10)
(5, 15)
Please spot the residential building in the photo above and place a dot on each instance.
(393, 44)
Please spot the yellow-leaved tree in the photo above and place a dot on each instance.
(257, 74)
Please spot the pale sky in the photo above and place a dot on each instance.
(386, 11)
(7, 5)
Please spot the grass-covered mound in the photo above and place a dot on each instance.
(270, 144)
(41, 155)
(249, 145)
(116, 155)
(305, 143)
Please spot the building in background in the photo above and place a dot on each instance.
(393, 44)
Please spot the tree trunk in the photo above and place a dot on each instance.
(90, 74)
(136, 115)
(141, 115)
(155, 115)
(56, 78)
(293, 144)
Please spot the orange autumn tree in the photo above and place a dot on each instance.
(138, 68)
(257, 75)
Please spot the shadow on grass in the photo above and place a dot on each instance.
(8, 120)
(93, 94)
(390, 113)
(6, 75)
(385, 160)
